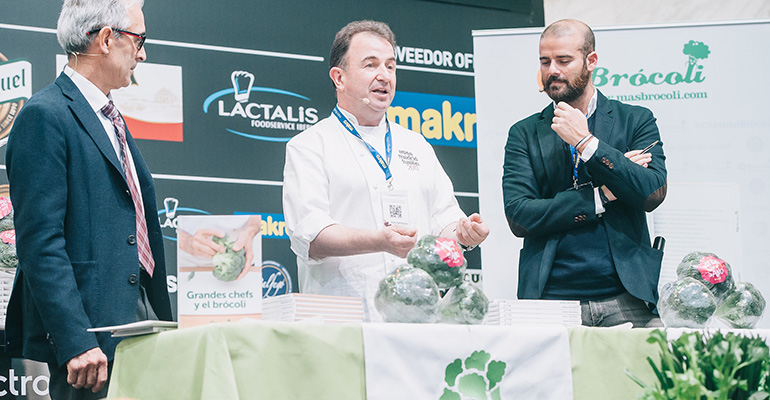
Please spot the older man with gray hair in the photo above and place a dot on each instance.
(89, 244)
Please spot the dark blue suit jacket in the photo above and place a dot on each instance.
(541, 206)
(75, 230)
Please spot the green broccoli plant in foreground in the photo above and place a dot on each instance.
(228, 265)
(708, 367)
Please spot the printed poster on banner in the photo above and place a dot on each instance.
(152, 103)
(219, 260)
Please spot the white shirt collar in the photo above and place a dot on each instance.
(592, 104)
(353, 120)
(94, 96)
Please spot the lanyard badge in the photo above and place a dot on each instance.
(383, 162)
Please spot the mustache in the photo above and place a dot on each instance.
(553, 79)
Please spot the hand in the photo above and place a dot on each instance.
(641, 159)
(200, 244)
(398, 239)
(245, 240)
(569, 123)
(472, 230)
(88, 370)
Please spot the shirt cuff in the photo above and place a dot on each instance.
(598, 202)
(590, 149)
(306, 231)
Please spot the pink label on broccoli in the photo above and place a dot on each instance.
(8, 237)
(449, 252)
(5, 207)
(712, 269)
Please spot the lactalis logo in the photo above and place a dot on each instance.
(477, 377)
(15, 89)
(260, 113)
(694, 50)
(167, 216)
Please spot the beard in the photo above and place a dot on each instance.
(572, 89)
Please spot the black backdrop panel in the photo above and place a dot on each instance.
(219, 167)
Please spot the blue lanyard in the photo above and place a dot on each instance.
(383, 163)
(575, 163)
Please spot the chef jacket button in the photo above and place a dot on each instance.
(133, 279)
(131, 240)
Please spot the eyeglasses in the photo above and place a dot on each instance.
(139, 45)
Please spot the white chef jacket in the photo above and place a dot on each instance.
(330, 177)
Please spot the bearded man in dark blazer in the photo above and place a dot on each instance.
(576, 187)
(89, 244)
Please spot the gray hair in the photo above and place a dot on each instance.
(80, 16)
(338, 57)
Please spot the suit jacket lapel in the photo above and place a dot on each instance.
(85, 114)
(552, 151)
(604, 120)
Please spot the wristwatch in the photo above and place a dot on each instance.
(466, 248)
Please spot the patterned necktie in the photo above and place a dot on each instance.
(143, 243)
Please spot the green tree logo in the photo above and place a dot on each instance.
(476, 379)
(696, 51)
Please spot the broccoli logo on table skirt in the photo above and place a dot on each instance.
(476, 379)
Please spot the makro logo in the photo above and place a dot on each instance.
(260, 113)
(275, 279)
(695, 51)
(273, 225)
(168, 215)
(15, 89)
(478, 377)
(443, 120)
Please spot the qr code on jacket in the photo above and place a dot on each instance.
(395, 211)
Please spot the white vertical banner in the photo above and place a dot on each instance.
(713, 123)
(455, 362)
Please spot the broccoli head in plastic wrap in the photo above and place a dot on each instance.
(709, 270)
(6, 214)
(228, 265)
(686, 303)
(8, 257)
(440, 257)
(463, 304)
(743, 307)
(407, 294)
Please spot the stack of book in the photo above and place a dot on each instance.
(311, 307)
(512, 312)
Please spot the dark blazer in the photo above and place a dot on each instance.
(542, 207)
(75, 230)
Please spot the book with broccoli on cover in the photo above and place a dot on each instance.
(219, 262)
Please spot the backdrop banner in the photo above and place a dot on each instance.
(712, 121)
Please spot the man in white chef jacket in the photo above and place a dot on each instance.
(359, 191)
